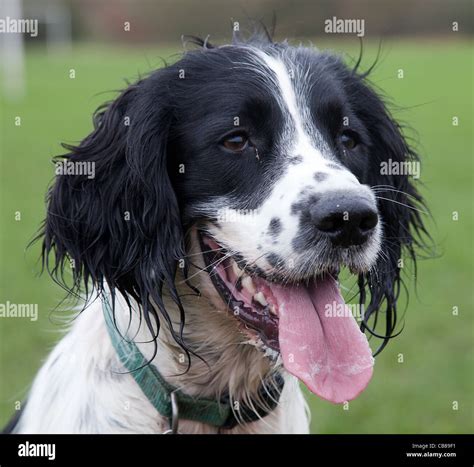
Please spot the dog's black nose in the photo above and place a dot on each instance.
(347, 221)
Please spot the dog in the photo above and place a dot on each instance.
(229, 189)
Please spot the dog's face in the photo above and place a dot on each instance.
(274, 157)
(268, 156)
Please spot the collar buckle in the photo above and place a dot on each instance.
(174, 419)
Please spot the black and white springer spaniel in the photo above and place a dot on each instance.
(229, 189)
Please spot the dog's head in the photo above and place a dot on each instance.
(268, 160)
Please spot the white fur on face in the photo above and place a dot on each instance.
(309, 169)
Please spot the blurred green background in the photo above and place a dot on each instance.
(417, 395)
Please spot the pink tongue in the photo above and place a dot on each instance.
(320, 342)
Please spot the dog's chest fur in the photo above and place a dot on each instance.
(82, 387)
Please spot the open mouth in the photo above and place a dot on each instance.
(308, 324)
(248, 296)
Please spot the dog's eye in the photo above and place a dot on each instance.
(236, 142)
(349, 139)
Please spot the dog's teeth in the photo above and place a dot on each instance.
(247, 283)
(260, 298)
(237, 271)
(272, 309)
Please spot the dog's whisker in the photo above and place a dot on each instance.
(211, 266)
(404, 193)
(403, 204)
(216, 250)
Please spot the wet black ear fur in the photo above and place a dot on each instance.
(122, 228)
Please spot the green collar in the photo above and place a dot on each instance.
(169, 401)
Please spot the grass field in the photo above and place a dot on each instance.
(415, 396)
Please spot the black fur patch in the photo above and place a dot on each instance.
(320, 176)
(275, 227)
(296, 160)
(275, 260)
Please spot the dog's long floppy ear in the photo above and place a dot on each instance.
(112, 211)
(393, 168)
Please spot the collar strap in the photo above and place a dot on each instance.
(219, 413)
